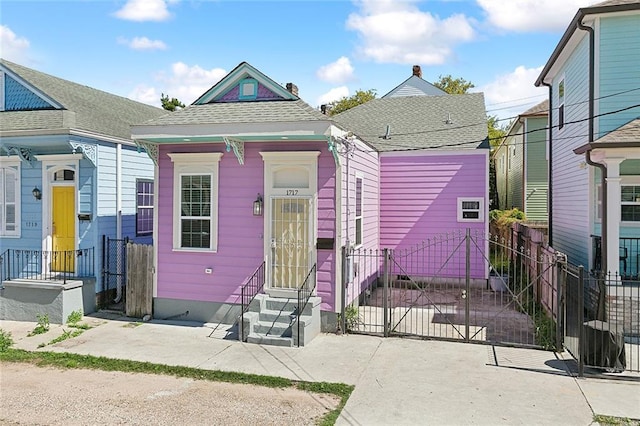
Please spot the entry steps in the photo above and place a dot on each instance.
(273, 321)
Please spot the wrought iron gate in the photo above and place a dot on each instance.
(114, 272)
(460, 286)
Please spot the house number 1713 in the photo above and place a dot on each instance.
(292, 192)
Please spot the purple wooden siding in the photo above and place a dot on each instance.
(264, 94)
(365, 164)
(181, 275)
(418, 203)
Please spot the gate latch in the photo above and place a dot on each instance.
(464, 294)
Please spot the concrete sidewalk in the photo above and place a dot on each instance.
(398, 381)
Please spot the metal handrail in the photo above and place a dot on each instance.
(47, 265)
(629, 256)
(249, 291)
(304, 294)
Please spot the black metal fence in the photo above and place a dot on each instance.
(114, 273)
(457, 286)
(47, 265)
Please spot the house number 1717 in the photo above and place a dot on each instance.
(292, 192)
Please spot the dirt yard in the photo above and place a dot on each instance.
(45, 396)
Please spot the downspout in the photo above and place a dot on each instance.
(119, 220)
(550, 168)
(602, 167)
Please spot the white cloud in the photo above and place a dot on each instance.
(13, 47)
(532, 15)
(511, 94)
(399, 32)
(184, 82)
(336, 72)
(144, 10)
(333, 95)
(143, 43)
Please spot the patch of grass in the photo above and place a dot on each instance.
(42, 326)
(67, 360)
(6, 341)
(66, 334)
(615, 421)
(132, 324)
(74, 317)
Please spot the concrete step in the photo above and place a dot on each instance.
(282, 317)
(270, 340)
(272, 329)
(280, 304)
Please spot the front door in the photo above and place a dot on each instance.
(291, 242)
(63, 229)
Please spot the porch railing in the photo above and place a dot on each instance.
(47, 265)
(253, 286)
(304, 294)
(629, 256)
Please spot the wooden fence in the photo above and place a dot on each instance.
(543, 271)
(139, 292)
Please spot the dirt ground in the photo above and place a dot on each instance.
(31, 395)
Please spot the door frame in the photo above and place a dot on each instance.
(279, 161)
(50, 165)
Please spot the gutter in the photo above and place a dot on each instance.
(602, 167)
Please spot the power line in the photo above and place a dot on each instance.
(407, 148)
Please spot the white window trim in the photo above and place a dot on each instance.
(138, 207)
(627, 180)
(14, 164)
(480, 200)
(355, 211)
(195, 164)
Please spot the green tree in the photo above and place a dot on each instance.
(170, 104)
(453, 86)
(348, 102)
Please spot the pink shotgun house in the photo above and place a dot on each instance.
(258, 193)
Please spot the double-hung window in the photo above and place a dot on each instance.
(470, 209)
(561, 103)
(144, 207)
(630, 203)
(10, 198)
(195, 201)
(358, 222)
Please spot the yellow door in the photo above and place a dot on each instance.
(64, 229)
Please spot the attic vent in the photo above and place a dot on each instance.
(248, 89)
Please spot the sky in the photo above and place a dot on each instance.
(141, 49)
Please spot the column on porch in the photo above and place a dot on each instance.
(614, 213)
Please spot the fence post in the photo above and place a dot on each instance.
(561, 292)
(467, 282)
(581, 342)
(343, 297)
(385, 293)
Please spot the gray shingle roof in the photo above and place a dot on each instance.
(540, 109)
(241, 112)
(87, 108)
(420, 122)
(629, 132)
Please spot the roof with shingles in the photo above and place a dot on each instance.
(629, 132)
(420, 122)
(540, 109)
(86, 108)
(241, 112)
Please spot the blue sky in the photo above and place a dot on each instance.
(329, 49)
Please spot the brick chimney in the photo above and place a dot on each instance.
(292, 88)
(417, 71)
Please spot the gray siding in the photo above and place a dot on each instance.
(571, 227)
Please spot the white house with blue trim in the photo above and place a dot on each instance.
(69, 176)
(593, 77)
